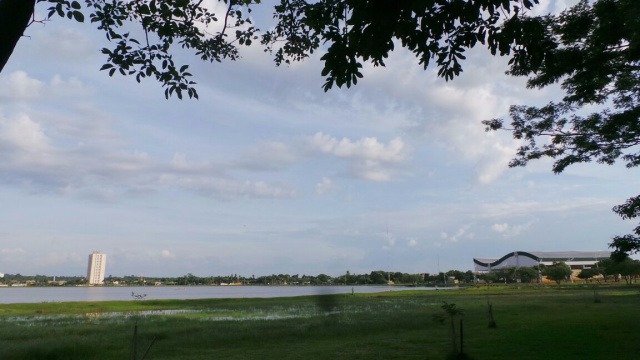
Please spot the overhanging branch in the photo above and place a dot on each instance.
(14, 19)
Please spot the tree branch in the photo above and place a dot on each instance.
(15, 16)
(226, 17)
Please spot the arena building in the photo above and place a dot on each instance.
(577, 260)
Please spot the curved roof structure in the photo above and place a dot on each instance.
(575, 259)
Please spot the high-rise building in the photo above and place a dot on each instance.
(96, 268)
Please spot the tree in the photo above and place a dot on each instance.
(557, 272)
(489, 277)
(378, 277)
(15, 16)
(323, 278)
(504, 274)
(145, 32)
(160, 26)
(527, 274)
(356, 31)
(451, 312)
(626, 268)
(586, 274)
(460, 276)
(593, 49)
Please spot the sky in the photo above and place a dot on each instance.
(266, 173)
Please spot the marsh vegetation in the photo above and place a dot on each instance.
(535, 323)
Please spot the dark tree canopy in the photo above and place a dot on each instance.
(356, 31)
(593, 50)
(143, 33)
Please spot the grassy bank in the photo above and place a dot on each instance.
(533, 323)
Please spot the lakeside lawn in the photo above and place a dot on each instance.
(532, 323)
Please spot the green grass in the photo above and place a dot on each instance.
(533, 323)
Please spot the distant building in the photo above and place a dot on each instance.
(577, 260)
(96, 268)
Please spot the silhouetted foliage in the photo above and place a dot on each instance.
(593, 50)
(349, 32)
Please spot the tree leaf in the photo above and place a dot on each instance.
(78, 16)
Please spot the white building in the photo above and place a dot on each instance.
(575, 259)
(96, 268)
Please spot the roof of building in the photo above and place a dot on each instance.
(547, 256)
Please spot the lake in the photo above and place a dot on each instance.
(13, 295)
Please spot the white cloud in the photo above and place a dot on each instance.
(70, 87)
(500, 228)
(460, 234)
(494, 162)
(62, 43)
(179, 161)
(13, 251)
(18, 86)
(552, 6)
(369, 159)
(222, 188)
(262, 189)
(368, 148)
(530, 208)
(55, 258)
(269, 156)
(30, 156)
(325, 186)
(412, 243)
(449, 114)
(166, 254)
(507, 230)
(24, 135)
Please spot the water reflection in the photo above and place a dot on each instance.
(11, 295)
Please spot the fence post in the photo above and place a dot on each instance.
(461, 338)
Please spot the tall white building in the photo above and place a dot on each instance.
(96, 268)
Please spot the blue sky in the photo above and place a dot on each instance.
(266, 173)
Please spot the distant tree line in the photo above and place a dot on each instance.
(627, 270)
(42, 280)
(378, 277)
(607, 270)
(604, 271)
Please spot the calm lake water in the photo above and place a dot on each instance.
(12, 295)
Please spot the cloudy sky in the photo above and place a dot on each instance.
(267, 174)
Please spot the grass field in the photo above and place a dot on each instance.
(532, 323)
